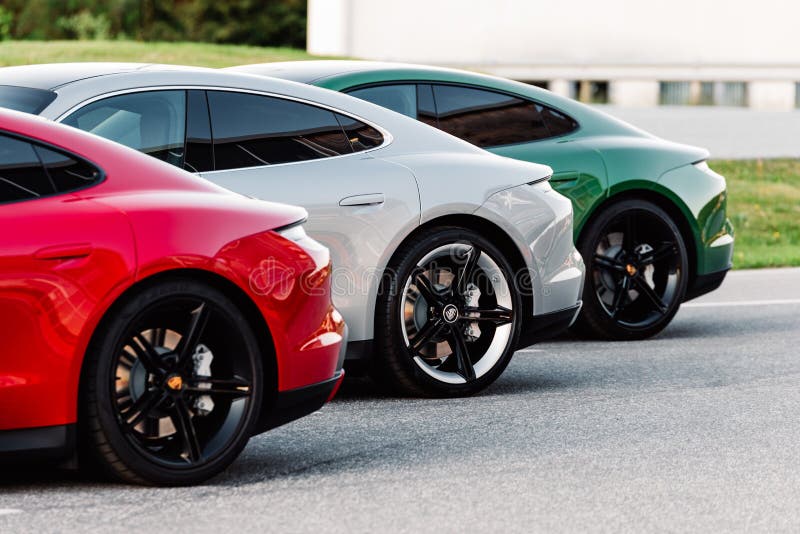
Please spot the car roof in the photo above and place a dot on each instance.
(55, 75)
(315, 70)
(92, 81)
(341, 75)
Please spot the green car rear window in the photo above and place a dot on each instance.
(489, 119)
(482, 117)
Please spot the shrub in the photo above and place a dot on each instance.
(6, 21)
(85, 26)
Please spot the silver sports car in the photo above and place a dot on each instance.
(448, 258)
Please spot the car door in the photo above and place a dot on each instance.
(359, 206)
(59, 256)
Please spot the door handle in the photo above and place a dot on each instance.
(363, 200)
(64, 252)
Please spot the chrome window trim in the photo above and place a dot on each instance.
(388, 138)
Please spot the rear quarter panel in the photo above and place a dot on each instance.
(665, 168)
(459, 183)
(230, 236)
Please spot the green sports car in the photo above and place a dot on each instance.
(650, 216)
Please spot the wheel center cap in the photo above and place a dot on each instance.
(450, 313)
(630, 269)
(175, 382)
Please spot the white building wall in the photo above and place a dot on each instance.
(642, 41)
(329, 27)
(634, 93)
(771, 95)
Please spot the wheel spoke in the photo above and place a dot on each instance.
(189, 342)
(126, 359)
(231, 387)
(158, 336)
(629, 237)
(459, 347)
(183, 425)
(664, 251)
(146, 353)
(142, 408)
(604, 262)
(467, 271)
(619, 296)
(497, 315)
(644, 288)
(124, 400)
(431, 329)
(151, 427)
(425, 287)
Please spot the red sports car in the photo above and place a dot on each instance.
(150, 321)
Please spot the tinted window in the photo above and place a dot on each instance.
(558, 123)
(29, 170)
(65, 172)
(252, 130)
(199, 155)
(153, 122)
(25, 99)
(399, 98)
(21, 173)
(426, 106)
(487, 119)
(361, 136)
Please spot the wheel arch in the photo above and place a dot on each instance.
(479, 225)
(229, 289)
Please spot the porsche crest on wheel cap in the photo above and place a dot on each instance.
(450, 313)
(175, 382)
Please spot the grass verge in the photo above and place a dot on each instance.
(200, 54)
(764, 205)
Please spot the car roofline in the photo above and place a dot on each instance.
(114, 69)
(110, 73)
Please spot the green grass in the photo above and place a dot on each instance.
(199, 54)
(764, 205)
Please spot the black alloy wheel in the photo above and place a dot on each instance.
(174, 386)
(450, 316)
(636, 272)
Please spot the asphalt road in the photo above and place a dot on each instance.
(697, 430)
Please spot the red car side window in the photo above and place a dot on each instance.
(22, 175)
(29, 171)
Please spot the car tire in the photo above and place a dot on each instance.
(448, 315)
(145, 415)
(636, 272)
